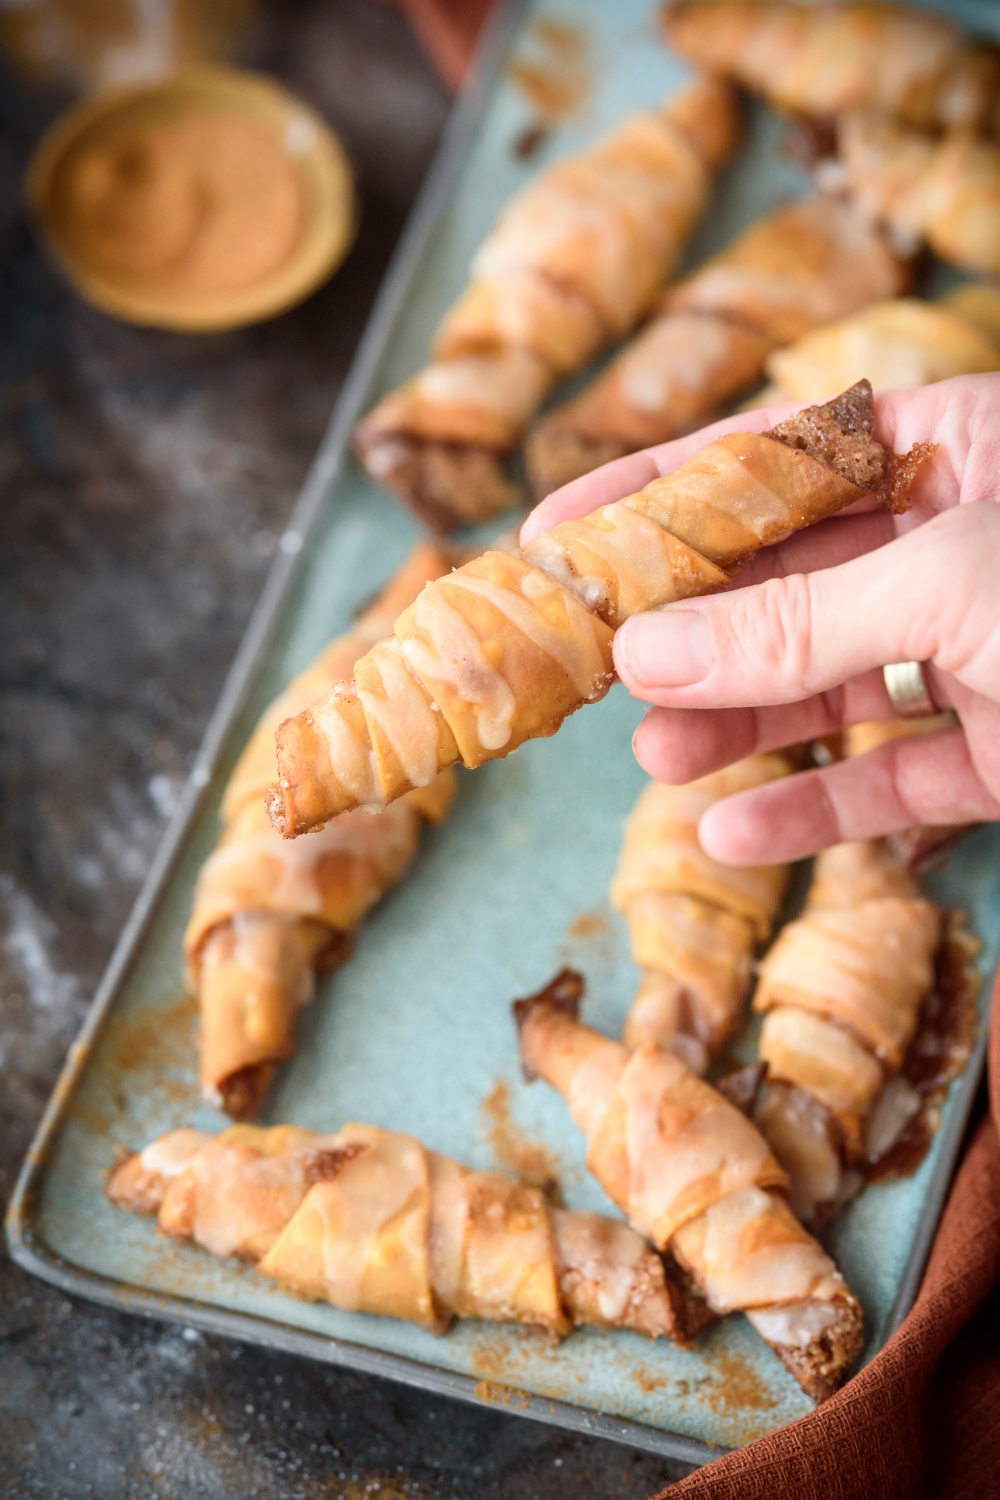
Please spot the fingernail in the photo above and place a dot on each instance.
(669, 649)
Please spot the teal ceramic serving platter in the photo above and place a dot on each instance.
(415, 1033)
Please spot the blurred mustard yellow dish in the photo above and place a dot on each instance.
(203, 202)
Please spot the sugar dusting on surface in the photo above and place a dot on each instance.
(29, 936)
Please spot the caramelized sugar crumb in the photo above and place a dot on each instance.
(841, 435)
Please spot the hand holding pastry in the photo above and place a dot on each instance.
(799, 654)
(507, 646)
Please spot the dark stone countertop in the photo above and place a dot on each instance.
(144, 480)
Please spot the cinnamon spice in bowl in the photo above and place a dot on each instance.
(207, 201)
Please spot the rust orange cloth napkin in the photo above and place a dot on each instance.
(448, 31)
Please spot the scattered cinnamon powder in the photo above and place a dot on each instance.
(590, 924)
(160, 1037)
(532, 1163)
(737, 1386)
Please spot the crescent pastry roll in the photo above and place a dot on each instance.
(694, 923)
(572, 263)
(697, 1179)
(944, 190)
(826, 58)
(897, 345)
(505, 647)
(370, 1221)
(841, 991)
(267, 914)
(800, 266)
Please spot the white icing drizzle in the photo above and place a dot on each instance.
(898, 1103)
(821, 1057)
(709, 1140)
(243, 1193)
(675, 352)
(388, 1178)
(384, 840)
(779, 1269)
(634, 549)
(261, 950)
(575, 651)
(598, 215)
(593, 1085)
(352, 756)
(798, 1323)
(604, 1253)
(454, 655)
(509, 385)
(171, 1153)
(449, 1217)
(404, 715)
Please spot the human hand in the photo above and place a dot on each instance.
(794, 649)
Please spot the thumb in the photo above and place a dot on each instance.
(928, 595)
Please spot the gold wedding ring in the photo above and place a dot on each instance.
(909, 694)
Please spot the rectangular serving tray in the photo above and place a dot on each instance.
(415, 1032)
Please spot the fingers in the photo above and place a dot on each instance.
(960, 415)
(625, 476)
(676, 745)
(926, 780)
(929, 595)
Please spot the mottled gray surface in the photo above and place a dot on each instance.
(144, 478)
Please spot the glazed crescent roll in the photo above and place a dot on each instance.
(826, 58)
(897, 345)
(841, 992)
(944, 190)
(697, 1179)
(693, 923)
(370, 1221)
(504, 648)
(574, 260)
(798, 267)
(267, 914)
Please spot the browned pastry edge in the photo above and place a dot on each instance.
(439, 480)
(691, 1311)
(325, 1164)
(841, 435)
(742, 1087)
(243, 1092)
(563, 993)
(145, 1193)
(820, 1367)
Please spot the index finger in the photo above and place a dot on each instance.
(625, 476)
